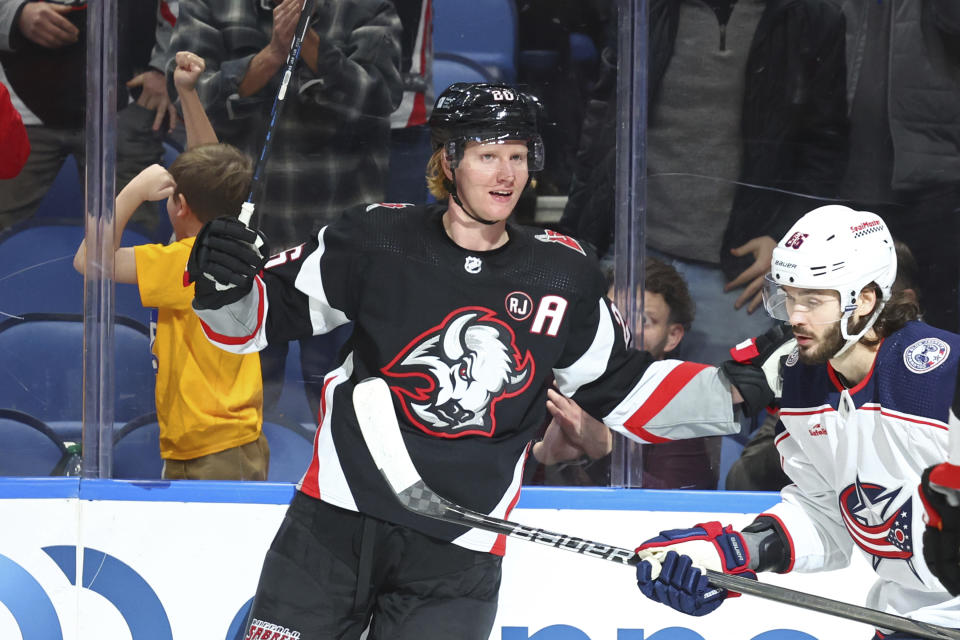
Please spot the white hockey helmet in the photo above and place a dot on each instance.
(833, 247)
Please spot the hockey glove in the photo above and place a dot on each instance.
(226, 257)
(757, 365)
(940, 491)
(670, 568)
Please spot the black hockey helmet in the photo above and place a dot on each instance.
(483, 112)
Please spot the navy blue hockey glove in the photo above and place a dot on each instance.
(940, 491)
(756, 367)
(670, 567)
(226, 257)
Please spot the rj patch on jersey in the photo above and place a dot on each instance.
(926, 355)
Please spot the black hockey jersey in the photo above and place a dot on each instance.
(468, 342)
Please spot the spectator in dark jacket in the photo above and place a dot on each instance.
(330, 149)
(905, 151)
(747, 124)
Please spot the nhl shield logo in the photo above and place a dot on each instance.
(926, 355)
(472, 264)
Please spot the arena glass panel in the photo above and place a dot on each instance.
(745, 131)
(48, 83)
(683, 171)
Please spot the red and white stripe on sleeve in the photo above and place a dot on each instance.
(675, 400)
(238, 327)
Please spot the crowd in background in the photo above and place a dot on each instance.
(759, 110)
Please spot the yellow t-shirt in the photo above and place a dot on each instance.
(208, 400)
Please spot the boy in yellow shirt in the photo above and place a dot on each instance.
(209, 402)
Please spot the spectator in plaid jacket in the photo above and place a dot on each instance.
(331, 144)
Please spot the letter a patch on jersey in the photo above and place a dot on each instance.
(567, 241)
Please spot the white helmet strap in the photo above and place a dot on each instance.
(845, 320)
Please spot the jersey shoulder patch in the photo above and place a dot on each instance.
(925, 355)
(552, 236)
(923, 348)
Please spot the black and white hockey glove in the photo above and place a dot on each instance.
(940, 491)
(226, 257)
(756, 367)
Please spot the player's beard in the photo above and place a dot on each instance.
(827, 346)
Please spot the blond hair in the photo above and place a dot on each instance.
(439, 185)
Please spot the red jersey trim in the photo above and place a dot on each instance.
(808, 412)
(216, 337)
(499, 547)
(309, 485)
(783, 527)
(836, 381)
(666, 391)
(903, 416)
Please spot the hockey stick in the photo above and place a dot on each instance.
(381, 432)
(247, 208)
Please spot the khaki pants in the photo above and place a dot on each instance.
(250, 461)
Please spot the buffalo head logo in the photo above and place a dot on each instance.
(462, 368)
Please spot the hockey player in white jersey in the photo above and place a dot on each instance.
(865, 404)
(468, 318)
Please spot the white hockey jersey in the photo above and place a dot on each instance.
(855, 457)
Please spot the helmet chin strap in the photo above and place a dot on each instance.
(852, 340)
(456, 198)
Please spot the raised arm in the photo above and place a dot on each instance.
(186, 73)
(153, 183)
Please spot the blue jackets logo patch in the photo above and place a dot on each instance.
(926, 355)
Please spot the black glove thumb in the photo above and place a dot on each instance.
(751, 382)
(226, 257)
(768, 352)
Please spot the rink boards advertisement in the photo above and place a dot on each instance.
(160, 561)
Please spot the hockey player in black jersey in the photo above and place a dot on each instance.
(469, 318)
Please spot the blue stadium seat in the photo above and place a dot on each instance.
(41, 368)
(37, 274)
(449, 68)
(582, 49)
(28, 446)
(291, 448)
(136, 449)
(64, 199)
(170, 153)
(484, 31)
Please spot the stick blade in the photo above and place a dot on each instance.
(373, 405)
